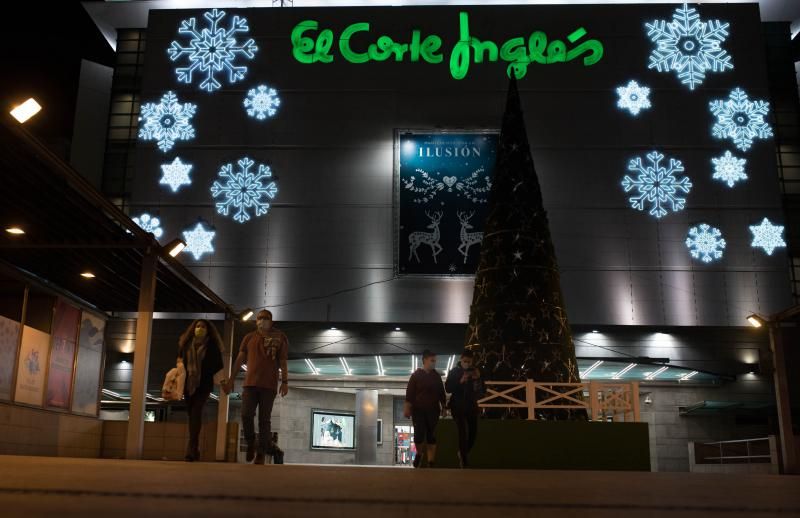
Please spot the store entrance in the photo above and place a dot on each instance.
(404, 448)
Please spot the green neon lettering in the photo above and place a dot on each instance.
(516, 51)
(344, 43)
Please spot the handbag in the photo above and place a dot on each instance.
(172, 390)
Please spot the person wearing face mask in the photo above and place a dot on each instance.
(200, 349)
(465, 387)
(265, 351)
(425, 401)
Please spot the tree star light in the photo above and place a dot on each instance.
(176, 174)
(767, 236)
(633, 97)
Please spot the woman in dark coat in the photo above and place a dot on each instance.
(200, 349)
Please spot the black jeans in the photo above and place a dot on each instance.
(262, 398)
(467, 424)
(425, 421)
(194, 408)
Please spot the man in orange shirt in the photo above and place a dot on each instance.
(265, 352)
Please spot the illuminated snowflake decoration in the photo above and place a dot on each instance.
(729, 169)
(212, 50)
(167, 121)
(244, 189)
(767, 236)
(149, 224)
(705, 243)
(656, 185)
(198, 241)
(740, 119)
(633, 97)
(688, 46)
(262, 102)
(175, 174)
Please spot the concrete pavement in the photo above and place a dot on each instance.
(46, 486)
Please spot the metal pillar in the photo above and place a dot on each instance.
(224, 399)
(788, 452)
(141, 356)
(366, 427)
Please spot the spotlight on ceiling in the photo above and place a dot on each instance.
(87, 275)
(15, 231)
(175, 247)
(248, 313)
(26, 110)
(756, 320)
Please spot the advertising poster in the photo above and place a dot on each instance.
(9, 340)
(31, 366)
(62, 357)
(443, 187)
(90, 360)
(332, 430)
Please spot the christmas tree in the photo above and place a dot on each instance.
(518, 324)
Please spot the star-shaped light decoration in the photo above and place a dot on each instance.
(518, 256)
(176, 174)
(633, 97)
(767, 236)
(198, 241)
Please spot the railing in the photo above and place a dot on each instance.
(605, 401)
(745, 451)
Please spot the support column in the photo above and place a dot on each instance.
(366, 427)
(224, 399)
(788, 452)
(141, 356)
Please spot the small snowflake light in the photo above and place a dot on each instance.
(688, 46)
(729, 169)
(198, 241)
(633, 97)
(175, 174)
(262, 102)
(767, 236)
(656, 185)
(167, 121)
(740, 119)
(149, 224)
(705, 243)
(244, 189)
(212, 50)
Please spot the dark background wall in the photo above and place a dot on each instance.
(331, 149)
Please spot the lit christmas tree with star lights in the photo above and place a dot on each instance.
(518, 323)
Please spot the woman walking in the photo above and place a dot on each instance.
(200, 349)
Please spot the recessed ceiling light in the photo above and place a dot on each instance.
(87, 275)
(26, 110)
(397, 329)
(15, 230)
(333, 328)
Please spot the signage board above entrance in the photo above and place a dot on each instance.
(312, 45)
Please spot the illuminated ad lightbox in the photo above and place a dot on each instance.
(338, 147)
(443, 188)
(333, 430)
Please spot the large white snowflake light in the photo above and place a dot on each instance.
(656, 185)
(633, 97)
(705, 243)
(149, 224)
(767, 236)
(688, 46)
(244, 189)
(175, 174)
(729, 169)
(167, 121)
(740, 119)
(212, 50)
(261, 102)
(198, 241)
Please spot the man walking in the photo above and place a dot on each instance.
(265, 351)
(465, 387)
(425, 401)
